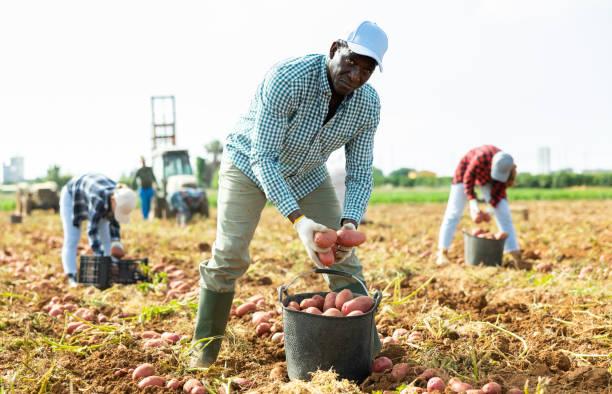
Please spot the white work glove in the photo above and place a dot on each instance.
(344, 251)
(306, 229)
(474, 210)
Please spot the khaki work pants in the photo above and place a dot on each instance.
(239, 207)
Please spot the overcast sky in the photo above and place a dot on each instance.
(76, 76)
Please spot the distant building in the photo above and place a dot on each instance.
(543, 155)
(13, 172)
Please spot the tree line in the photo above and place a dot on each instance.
(408, 177)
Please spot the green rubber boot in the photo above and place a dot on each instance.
(356, 288)
(213, 313)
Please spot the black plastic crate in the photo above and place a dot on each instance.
(94, 271)
(127, 272)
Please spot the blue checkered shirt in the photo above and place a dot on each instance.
(282, 144)
(186, 198)
(91, 194)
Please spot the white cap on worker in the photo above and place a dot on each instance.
(502, 166)
(125, 202)
(368, 39)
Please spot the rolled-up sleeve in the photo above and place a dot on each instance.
(96, 210)
(274, 106)
(359, 181)
(469, 179)
(114, 230)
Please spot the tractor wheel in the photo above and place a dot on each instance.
(204, 208)
(156, 209)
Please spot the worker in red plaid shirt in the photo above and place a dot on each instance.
(492, 170)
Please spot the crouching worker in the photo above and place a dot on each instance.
(493, 171)
(104, 204)
(186, 202)
(304, 109)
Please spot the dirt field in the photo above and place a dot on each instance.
(543, 330)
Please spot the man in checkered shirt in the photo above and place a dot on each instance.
(492, 170)
(97, 199)
(304, 109)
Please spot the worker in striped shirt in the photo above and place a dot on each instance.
(493, 171)
(304, 109)
(104, 204)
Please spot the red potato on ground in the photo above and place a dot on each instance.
(170, 337)
(350, 237)
(260, 317)
(332, 312)
(544, 267)
(342, 297)
(56, 311)
(85, 314)
(240, 382)
(176, 274)
(68, 298)
(400, 371)
(381, 364)
(81, 327)
(245, 308)
(152, 381)
(330, 301)
(278, 337)
(400, 332)
(325, 239)
(361, 303)
(120, 372)
(190, 384)
(412, 390)
(73, 326)
(262, 328)
(491, 388)
(176, 283)
(256, 298)
(474, 391)
(201, 390)
(154, 342)
(173, 384)
(415, 336)
(428, 374)
(435, 383)
(458, 386)
(387, 340)
(150, 334)
(514, 390)
(143, 370)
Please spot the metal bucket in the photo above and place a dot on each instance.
(484, 251)
(314, 342)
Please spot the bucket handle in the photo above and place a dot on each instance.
(283, 288)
